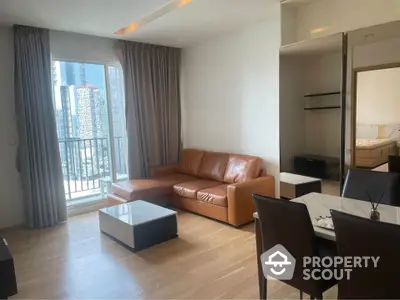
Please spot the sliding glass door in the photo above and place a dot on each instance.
(117, 108)
(89, 107)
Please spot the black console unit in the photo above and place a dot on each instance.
(8, 283)
(317, 166)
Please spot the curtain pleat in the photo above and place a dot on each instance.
(38, 159)
(153, 110)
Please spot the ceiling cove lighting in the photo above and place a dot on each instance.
(170, 6)
(319, 30)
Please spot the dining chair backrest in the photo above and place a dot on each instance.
(360, 237)
(288, 224)
(394, 163)
(363, 184)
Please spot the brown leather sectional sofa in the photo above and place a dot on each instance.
(216, 185)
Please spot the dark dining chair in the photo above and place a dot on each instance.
(356, 236)
(370, 185)
(394, 163)
(288, 224)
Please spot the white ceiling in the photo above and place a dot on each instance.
(195, 22)
(97, 17)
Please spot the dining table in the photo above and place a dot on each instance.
(319, 205)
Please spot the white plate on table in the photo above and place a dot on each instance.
(325, 223)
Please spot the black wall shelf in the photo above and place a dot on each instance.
(322, 94)
(325, 107)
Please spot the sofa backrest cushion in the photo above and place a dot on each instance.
(190, 161)
(241, 168)
(213, 165)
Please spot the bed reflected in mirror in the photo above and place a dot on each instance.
(377, 117)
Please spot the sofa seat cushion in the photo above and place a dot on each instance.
(143, 188)
(215, 195)
(189, 189)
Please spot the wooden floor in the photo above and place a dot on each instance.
(330, 187)
(209, 260)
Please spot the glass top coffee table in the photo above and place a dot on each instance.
(138, 224)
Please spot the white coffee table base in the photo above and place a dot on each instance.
(139, 224)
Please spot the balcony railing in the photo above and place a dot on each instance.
(87, 167)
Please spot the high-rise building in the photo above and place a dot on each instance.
(91, 109)
(92, 115)
(66, 113)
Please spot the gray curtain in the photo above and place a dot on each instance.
(38, 154)
(153, 111)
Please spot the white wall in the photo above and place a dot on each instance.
(373, 54)
(230, 93)
(325, 17)
(11, 207)
(288, 24)
(378, 96)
